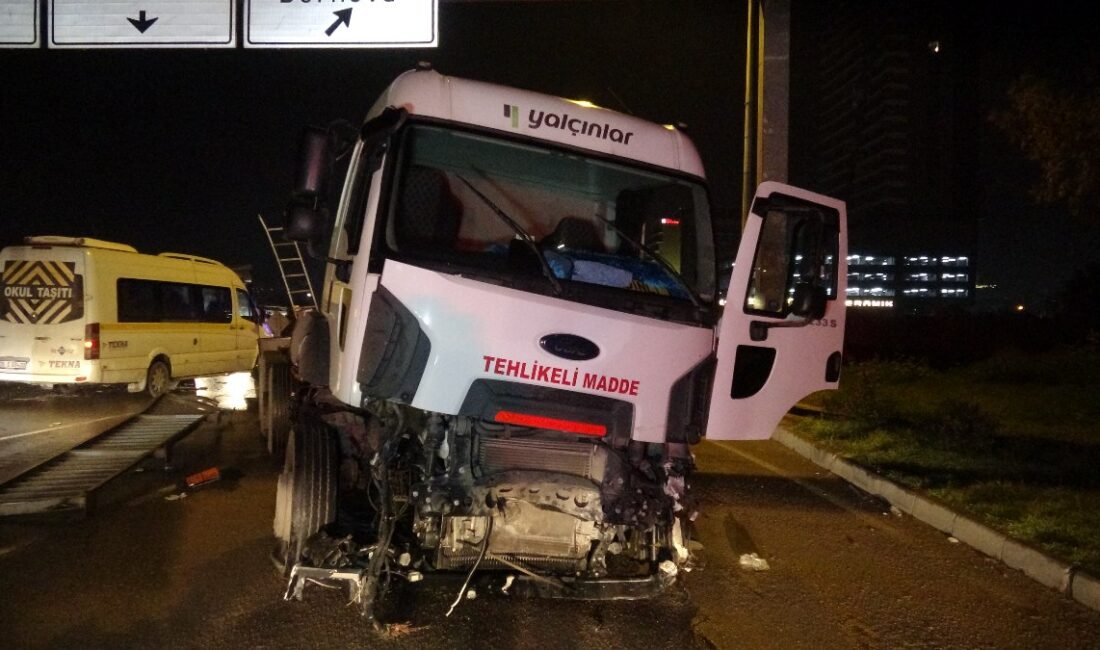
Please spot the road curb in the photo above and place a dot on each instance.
(1086, 590)
(1038, 566)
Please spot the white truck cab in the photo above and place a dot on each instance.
(520, 338)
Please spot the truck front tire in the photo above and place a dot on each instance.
(305, 500)
(279, 388)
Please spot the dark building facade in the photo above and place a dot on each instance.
(881, 117)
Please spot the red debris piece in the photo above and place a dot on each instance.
(203, 477)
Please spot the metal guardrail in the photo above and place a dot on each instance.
(69, 481)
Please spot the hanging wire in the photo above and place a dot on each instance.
(480, 557)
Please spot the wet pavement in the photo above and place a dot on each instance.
(154, 570)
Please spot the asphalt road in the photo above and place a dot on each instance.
(152, 570)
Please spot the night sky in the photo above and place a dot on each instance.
(179, 150)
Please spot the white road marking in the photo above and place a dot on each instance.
(809, 487)
(62, 426)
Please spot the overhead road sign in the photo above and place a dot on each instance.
(19, 23)
(142, 23)
(341, 23)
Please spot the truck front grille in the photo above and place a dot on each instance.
(576, 458)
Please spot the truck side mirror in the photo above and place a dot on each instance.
(314, 161)
(305, 217)
(809, 300)
(304, 220)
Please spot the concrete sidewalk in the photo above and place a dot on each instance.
(1042, 568)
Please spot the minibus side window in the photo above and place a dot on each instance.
(244, 306)
(151, 301)
(138, 301)
(178, 303)
(217, 305)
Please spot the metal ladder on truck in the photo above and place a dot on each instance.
(275, 384)
(292, 268)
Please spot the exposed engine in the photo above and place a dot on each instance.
(454, 493)
(558, 502)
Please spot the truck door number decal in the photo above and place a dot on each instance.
(40, 291)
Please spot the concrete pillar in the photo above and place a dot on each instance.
(775, 92)
(767, 95)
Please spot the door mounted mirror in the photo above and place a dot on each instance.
(808, 300)
(794, 266)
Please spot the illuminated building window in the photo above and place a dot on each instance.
(868, 303)
(924, 277)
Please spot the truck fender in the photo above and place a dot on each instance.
(309, 348)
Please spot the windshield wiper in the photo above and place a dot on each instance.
(523, 234)
(695, 298)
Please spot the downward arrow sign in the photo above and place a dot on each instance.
(141, 24)
(343, 17)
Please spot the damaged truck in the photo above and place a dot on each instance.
(520, 339)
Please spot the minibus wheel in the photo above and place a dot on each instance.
(158, 380)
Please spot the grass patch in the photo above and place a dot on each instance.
(1013, 441)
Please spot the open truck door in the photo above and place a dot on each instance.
(782, 332)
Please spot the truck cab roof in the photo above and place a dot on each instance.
(573, 123)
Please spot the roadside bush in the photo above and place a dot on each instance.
(861, 399)
(1072, 365)
(904, 370)
(956, 424)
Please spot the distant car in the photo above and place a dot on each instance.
(85, 311)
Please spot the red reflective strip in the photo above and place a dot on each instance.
(572, 426)
(670, 222)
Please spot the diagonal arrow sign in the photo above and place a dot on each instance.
(140, 23)
(343, 17)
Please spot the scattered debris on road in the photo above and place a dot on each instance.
(753, 562)
(203, 478)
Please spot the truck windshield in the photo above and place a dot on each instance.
(458, 191)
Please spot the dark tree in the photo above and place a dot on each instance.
(1057, 127)
(1081, 299)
